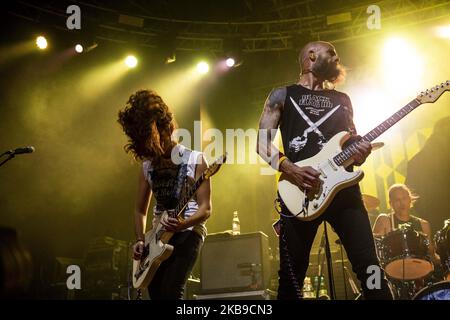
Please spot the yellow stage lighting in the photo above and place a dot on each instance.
(41, 42)
(203, 67)
(403, 67)
(131, 61)
(444, 32)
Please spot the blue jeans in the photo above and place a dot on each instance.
(171, 276)
(350, 221)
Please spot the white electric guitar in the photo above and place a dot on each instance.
(156, 244)
(331, 162)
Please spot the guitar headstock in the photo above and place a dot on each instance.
(431, 95)
(215, 166)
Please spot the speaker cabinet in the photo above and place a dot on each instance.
(235, 263)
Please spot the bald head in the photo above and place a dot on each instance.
(310, 52)
(320, 58)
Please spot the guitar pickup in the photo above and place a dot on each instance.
(322, 173)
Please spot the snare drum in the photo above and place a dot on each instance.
(405, 254)
(442, 239)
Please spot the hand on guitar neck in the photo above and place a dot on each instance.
(363, 150)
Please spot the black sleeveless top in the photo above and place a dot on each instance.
(311, 118)
(413, 221)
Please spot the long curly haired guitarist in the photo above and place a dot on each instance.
(166, 167)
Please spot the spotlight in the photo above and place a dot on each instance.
(131, 61)
(396, 70)
(171, 58)
(79, 48)
(203, 67)
(230, 62)
(444, 32)
(41, 42)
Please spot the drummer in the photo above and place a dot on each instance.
(401, 200)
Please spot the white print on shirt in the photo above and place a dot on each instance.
(298, 143)
(315, 104)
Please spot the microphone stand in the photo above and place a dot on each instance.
(353, 285)
(320, 266)
(329, 262)
(10, 154)
(343, 268)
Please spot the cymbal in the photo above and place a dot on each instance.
(370, 202)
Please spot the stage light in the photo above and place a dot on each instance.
(41, 42)
(230, 62)
(444, 32)
(403, 67)
(203, 67)
(79, 48)
(171, 58)
(131, 61)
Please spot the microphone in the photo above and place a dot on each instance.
(22, 150)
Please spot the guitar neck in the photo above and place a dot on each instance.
(189, 194)
(348, 152)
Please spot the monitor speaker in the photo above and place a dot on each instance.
(232, 263)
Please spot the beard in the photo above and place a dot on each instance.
(330, 71)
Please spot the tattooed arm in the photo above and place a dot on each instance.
(268, 125)
(304, 177)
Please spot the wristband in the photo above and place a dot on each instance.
(280, 161)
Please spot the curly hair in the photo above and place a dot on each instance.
(149, 124)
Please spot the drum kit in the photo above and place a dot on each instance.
(404, 255)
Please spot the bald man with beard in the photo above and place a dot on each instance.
(295, 110)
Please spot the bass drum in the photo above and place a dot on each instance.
(405, 255)
(442, 239)
(437, 291)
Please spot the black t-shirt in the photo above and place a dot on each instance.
(311, 118)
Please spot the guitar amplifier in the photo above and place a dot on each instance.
(235, 263)
(106, 264)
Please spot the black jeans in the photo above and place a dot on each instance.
(171, 276)
(350, 221)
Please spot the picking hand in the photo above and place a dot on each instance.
(138, 249)
(305, 178)
(172, 224)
